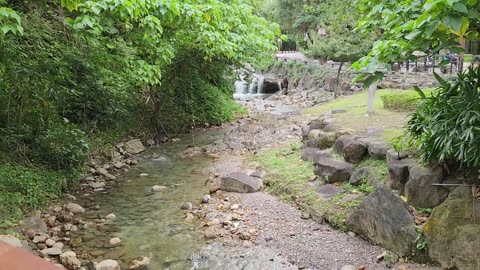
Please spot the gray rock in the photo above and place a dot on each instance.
(34, 223)
(341, 142)
(210, 233)
(258, 174)
(333, 170)
(328, 191)
(452, 235)
(157, 188)
(51, 252)
(40, 238)
(378, 150)
(383, 218)
(314, 154)
(11, 240)
(75, 208)
(187, 206)
(107, 265)
(134, 146)
(119, 165)
(206, 198)
(105, 173)
(373, 131)
(354, 152)
(70, 261)
(96, 185)
(240, 182)
(326, 139)
(348, 267)
(311, 143)
(394, 155)
(140, 264)
(365, 174)
(398, 173)
(419, 190)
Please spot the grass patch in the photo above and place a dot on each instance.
(289, 178)
(403, 101)
(379, 167)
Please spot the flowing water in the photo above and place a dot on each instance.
(151, 224)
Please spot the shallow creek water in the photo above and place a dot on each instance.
(150, 224)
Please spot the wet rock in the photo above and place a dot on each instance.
(378, 150)
(383, 218)
(333, 170)
(75, 208)
(34, 223)
(240, 182)
(51, 252)
(134, 146)
(108, 265)
(187, 206)
(354, 152)
(341, 142)
(11, 240)
(328, 191)
(452, 234)
(105, 173)
(157, 188)
(398, 171)
(115, 241)
(364, 175)
(206, 198)
(419, 190)
(70, 261)
(140, 263)
(111, 216)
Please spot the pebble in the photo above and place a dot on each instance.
(51, 252)
(58, 245)
(39, 239)
(107, 265)
(157, 188)
(115, 241)
(50, 242)
(111, 216)
(143, 174)
(206, 198)
(187, 206)
(234, 207)
(189, 217)
(75, 208)
(348, 267)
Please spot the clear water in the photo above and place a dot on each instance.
(151, 224)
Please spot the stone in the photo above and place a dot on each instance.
(96, 185)
(50, 242)
(341, 142)
(51, 252)
(134, 146)
(326, 139)
(115, 241)
(398, 173)
(452, 231)
(189, 217)
(206, 198)
(419, 190)
(314, 154)
(187, 206)
(70, 197)
(383, 218)
(364, 175)
(34, 223)
(240, 182)
(40, 238)
(11, 240)
(354, 152)
(119, 165)
(378, 150)
(333, 170)
(210, 233)
(258, 174)
(234, 207)
(393, 155)
(58, 245)
(70, 261)
(111, 216)
(373, 131)
(140, 263)
(75, 208)
(108, 265)
(51, 221)
(328, 191)
(157, 188)
(105, 173)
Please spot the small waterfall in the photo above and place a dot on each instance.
(280, 86)
(261, 80)
(252, 89)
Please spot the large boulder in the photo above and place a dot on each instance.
(134, 146)
(419, 190)
(328, 191)
(354, 152)
(341, 142)
(383, 218)
(333, 170)
(34, 223)
(452, 231)
(314, 154)
(240, 182)
(326, 139)
(398, 173)
(364, 175)
(378, 150)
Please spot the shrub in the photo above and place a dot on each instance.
(446, 125)
(402, 100)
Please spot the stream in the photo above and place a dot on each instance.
(151, 224)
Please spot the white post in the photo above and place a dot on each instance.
(371, 97)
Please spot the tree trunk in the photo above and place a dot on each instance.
(337, 90)
(371, 97)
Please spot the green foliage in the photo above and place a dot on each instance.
(10, 21)
(402, 100)
(445, 125)
(24, 188)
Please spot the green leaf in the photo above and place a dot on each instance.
(453, 22)
(460, 7)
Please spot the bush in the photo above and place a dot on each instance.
(402, 100)
(446, 125)
(23, 188)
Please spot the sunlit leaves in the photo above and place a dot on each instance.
(10, 21)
